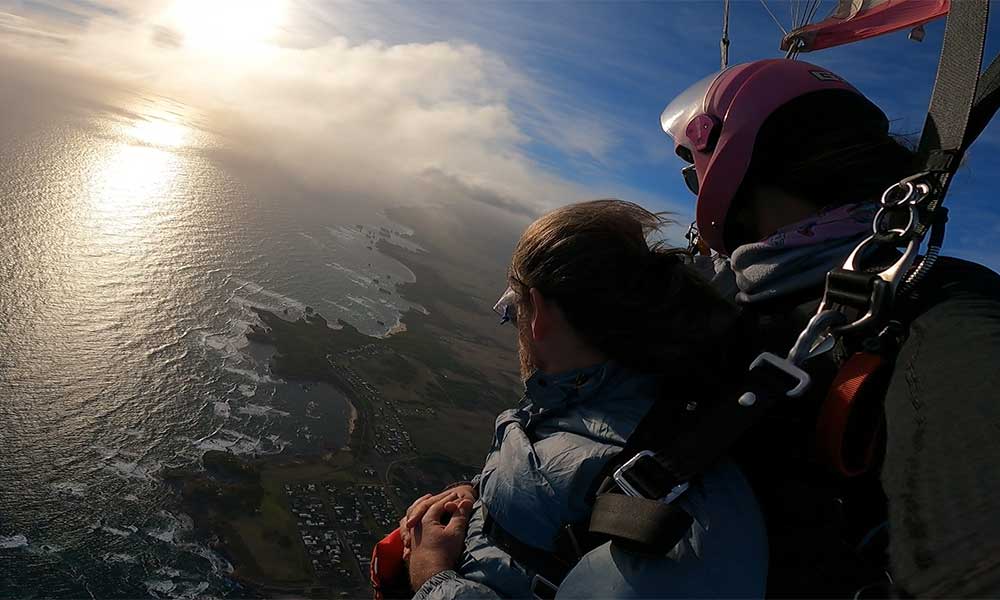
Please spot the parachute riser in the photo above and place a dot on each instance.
(909, 209)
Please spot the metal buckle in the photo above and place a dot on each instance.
(538, 584)
(629, 489)
(785, 366)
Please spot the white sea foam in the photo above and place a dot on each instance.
(338, 305)
(219, 564)
(70, 487)
(175, 525)
(230, 340)
(345, 234)
(193, 590)
(251, 375)
(134, 470)
(222, 409)
(258, 410)
(248, 389)
(127, 531)
(115, 557)
(44, 549)
(160, 588)
(358, 279)
(227, 440)
(18, 540)
(257, 295)
(106, 453)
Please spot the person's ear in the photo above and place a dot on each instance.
(541, 315)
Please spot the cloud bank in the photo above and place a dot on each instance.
(405, 122)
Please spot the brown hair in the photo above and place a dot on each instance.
(635, 302)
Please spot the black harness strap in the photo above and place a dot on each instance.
(944, 136)
(553, 565)
(645, 526)
(631, 521)
(987, 102)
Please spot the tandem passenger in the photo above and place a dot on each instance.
(617, 338)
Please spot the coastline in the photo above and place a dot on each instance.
(423, 395)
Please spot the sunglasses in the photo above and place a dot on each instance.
(690, 178)
(506, 307)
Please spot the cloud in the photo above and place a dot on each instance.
(396, 121)
(165, 37)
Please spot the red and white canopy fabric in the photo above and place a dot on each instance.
(854, 20)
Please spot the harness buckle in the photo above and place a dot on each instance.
(786, 367)
(645, 459)
(542, 588)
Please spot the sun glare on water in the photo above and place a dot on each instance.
(156, 131)
(226, 25)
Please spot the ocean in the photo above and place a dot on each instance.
(132, 255)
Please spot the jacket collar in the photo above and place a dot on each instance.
(547, 390)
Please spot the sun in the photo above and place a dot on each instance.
(226, 25)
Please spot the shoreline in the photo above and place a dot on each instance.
(425, 394)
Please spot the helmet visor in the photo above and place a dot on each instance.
(690, 103)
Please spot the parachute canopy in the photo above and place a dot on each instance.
(854, 20)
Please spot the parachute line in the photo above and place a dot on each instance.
(724, 42)
(773, 18)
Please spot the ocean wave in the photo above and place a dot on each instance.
(227, 440)
(126, 532)
(219, 564)
(259, 410)
(44, 549)
(160, 588)
(167, 588)
(18, 540)
(358, 279)
(134, 470)
(117, 557)
(251, 375)
(72, 488)
(175, 525)
(231, 340)
(222, 409)
(257, 295)
(346, 234)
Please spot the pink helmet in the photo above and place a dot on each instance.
(715, 123)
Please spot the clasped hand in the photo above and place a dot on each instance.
(433, 532)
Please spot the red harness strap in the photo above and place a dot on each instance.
(849, 428)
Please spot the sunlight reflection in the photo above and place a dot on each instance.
(128, 187)
(225, 25)
(158, 131)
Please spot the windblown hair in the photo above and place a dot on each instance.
(638, 303)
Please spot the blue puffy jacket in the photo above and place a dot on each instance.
(545, 456)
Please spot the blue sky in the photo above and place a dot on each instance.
(515, 100)
(626, 60)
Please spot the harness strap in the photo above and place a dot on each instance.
(849, 427)
(553, 565)
(632, 521)
(987, 102)
(944, 135)
(646, 526)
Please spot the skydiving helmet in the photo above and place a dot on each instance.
(714, 125)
